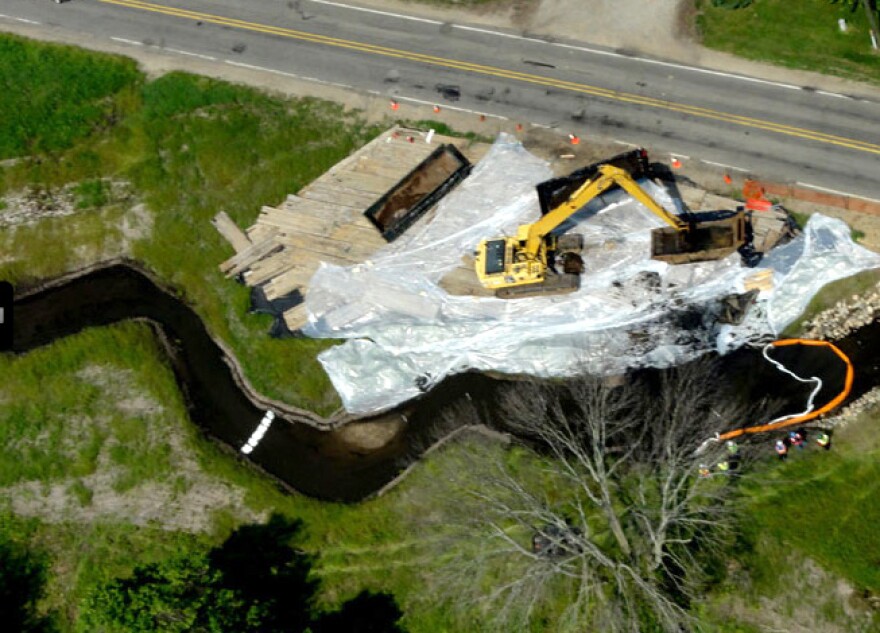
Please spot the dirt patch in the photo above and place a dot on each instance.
(810, 600)
(186, 498)
(137, 224)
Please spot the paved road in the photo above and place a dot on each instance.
(774, 130)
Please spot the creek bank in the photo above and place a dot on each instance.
(329, 462)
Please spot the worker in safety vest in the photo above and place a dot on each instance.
(824, 440)
(732, 448)
(704, 470)
(723, 466)
(781, 450)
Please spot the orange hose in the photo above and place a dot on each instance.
(847, 386)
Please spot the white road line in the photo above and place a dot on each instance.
(292, 75)
(835, 191)
(674, 155)
(585, 49)
(624, 143)
(26, 21)
(3, 15)
(513, 36)
(833, 94)
(695, 69)
(180, 52)
(377, 12)
(449, 107)
(125, 41)
(723, 165)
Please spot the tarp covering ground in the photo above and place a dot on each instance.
(405, 333)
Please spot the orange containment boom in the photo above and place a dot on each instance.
(847, 386)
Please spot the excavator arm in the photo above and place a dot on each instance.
(607, 178)
(523, 265)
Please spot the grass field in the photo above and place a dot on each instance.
(186, 147)
(103, 471)
(801, 34)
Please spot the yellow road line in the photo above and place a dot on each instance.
(503, 73)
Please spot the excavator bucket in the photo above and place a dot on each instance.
(708, 238)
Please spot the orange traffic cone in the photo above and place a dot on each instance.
(676, 164)
(727, 179)
(482, 117)
(436, 109)
(575, 140)
(394, 105)
(410, 139)
(519, 127)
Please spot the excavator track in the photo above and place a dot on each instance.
(552, 285)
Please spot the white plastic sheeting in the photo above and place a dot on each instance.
(406, 333)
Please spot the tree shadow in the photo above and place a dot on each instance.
(260, 564)
(23, 576)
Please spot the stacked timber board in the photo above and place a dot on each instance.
(325, 221)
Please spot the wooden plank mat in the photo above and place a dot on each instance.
(229, 229)
(239, 262)
(325, 221)
(270, 267)
(297, 317)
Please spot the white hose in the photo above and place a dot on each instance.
(784, 369)
(814, 379)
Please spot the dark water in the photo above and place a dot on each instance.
(319, 463)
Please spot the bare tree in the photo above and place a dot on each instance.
(601, 517)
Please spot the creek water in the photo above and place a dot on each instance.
(321, 463)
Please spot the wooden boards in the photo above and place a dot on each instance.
(324, 221)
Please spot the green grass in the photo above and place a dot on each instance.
(92, 194)
(189, 147)
(801, 35)
(59, 428)
(54, 95)
(57, 420)
(823, 504)
(831, 294)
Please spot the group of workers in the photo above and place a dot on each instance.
(729, 463)
(798, 439)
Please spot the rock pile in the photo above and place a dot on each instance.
(844, 317)
(868, 401)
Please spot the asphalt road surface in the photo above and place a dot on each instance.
(787, 132)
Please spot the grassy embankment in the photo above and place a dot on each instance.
(102, 471)
(801, 35)
(185, 146)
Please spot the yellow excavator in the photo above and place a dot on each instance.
(529, 264)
